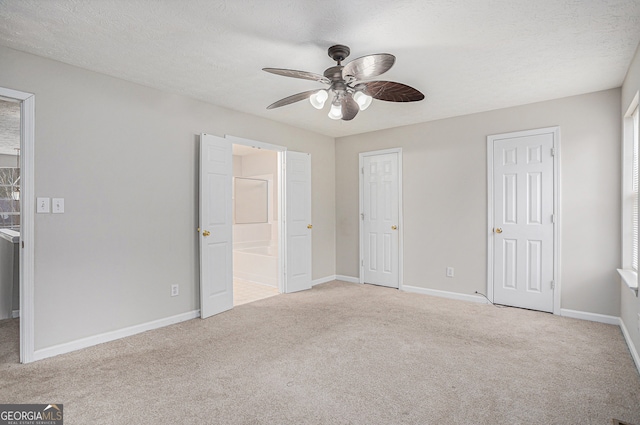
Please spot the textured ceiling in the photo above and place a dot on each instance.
(466, 56)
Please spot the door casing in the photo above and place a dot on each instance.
(361, 157)
(555, 131)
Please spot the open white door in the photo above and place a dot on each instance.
(298, 221)
(216, 242)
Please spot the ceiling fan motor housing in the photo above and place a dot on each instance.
(339, 52)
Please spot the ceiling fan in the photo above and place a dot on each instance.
(351, 93)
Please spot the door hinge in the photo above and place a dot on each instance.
(362, 263)
(553, 151)
(362, 170)
(362, 216)
(553, 285)
(553, 218)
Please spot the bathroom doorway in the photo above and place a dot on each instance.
(256, 224)
(16, 217)
(294, 258)
(9, 211)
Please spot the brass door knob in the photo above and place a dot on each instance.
(206, 233)
(499, 230)
(309, 226)
(394, 227)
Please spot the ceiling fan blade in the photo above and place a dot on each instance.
(368, 67)
(298, 74)
(391, 92)
(350, 108)
(292, 99)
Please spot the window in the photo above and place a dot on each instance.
(630, 197)
(9, 197)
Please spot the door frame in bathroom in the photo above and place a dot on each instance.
(27, 189)
(281, 201)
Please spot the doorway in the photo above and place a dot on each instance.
(381, 217)
(21, 193)
(523, 219)
(9, 210)
(294, 228)
(256, 221)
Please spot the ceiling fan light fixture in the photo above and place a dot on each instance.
(349, 85)
(336, 111)
(363, 100)
(318, 99)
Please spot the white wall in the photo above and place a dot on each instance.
(629, 302)
(445, 196)
(124, 157)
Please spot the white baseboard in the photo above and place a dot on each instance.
(323, 280)
(592, 317)
(347, 279)
(15, 314)
(444, 294)
(632, 348)
(113, 335)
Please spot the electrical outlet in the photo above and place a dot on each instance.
(175, 290)
(450, 271)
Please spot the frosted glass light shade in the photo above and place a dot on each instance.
(336, 111)
(318, 98)
(362, 100)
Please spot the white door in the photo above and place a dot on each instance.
(216, 243)
(297, 221)
(523, 220)
(380, 213)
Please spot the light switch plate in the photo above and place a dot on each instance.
(58, 205)
(43, 205)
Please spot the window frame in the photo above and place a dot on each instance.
(629, 198)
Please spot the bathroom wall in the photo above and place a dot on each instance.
(259, 165)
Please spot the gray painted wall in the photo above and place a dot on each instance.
(445, 197)
(629, 302)
(125, 157)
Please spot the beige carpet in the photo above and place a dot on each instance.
(343, 354)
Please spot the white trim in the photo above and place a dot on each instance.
(15, 314)
(323, 280)
(349, 279)
(254, 143)
(445, 294)
(629, 341)
(591, 317)
(113, 335)
(27, 154)
(556, 208)
(630, 278)
(361, 156)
